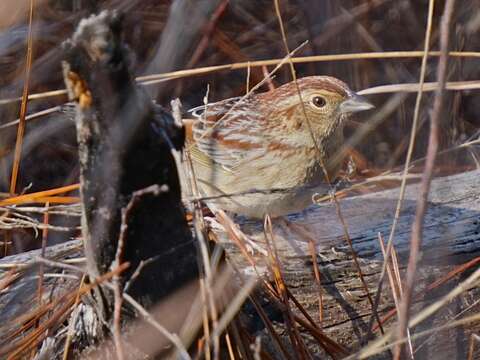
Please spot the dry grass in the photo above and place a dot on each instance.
(372, 45)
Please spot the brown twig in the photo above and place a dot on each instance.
(207, 33)
(328, 344)
(409, 155)
(205, 40)
(279, 346)
(68, 299)
(206, 280)
(21, 124)
(378, 345)
(280, 287)
(471, 346)
(231, 354)
(316, 271)
(324, 168)
(417, 227)
(395, 282)
(155, 78)
(23, 108)
(444, 279)
(332, 348)
(117, 287)
(269, 81)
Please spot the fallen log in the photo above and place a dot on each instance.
(451, 238)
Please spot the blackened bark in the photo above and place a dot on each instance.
(125, 144)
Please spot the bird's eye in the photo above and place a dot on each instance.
(319, 101)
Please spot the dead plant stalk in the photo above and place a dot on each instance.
(432, 150)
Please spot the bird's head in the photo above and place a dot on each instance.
(327, 101)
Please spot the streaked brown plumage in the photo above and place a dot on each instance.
(263, 142)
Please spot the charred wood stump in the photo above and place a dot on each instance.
(129, 182)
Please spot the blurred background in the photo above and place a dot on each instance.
(169, 35)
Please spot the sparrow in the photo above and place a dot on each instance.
(269, 153)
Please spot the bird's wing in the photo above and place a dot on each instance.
(230, 132)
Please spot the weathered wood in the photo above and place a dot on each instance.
(21, 296)
(452, 236)
(452, 224)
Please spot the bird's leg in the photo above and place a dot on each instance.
(339, 184)
(344, 181)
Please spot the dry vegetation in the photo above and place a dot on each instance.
(293, 309)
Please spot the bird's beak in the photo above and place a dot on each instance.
(355, 103)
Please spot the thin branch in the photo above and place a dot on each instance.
(117, 287)
(318, 282)
(157, 78)
(417, 227)
(23, 108)
(56, 264)
(324, 168)
(409, 156)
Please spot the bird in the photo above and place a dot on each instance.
(269, 153)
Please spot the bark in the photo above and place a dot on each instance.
(125, 146)
(451, 237)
